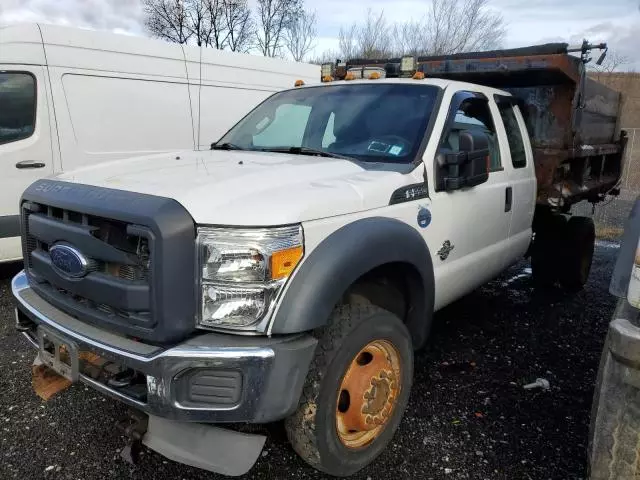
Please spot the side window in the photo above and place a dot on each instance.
(475, 115)
(286, 128)
(17, 106)
(514, 135)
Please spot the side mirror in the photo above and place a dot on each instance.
(467, 167)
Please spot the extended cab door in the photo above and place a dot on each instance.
(25, 145)
(518, 156)
(471, 224)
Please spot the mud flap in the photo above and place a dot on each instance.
(204, 446)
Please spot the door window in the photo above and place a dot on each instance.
(17, 106)
(514, 135)
(477, 118)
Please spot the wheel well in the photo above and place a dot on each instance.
(395, 287)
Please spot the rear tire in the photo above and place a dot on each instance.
(546, 253)
(340, 433)
(580, 237)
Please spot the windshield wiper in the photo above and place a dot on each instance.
(305, 151)
(225, 146)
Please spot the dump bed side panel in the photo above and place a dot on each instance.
(597, 122)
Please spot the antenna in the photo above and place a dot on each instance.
(199, 94)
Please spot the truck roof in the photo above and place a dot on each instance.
(438, 82)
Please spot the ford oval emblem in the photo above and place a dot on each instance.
(424, 217)
(68, 261)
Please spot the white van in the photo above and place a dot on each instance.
(72, 98)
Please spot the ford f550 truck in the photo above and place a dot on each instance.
(290, 272)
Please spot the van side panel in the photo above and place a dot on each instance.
(234, 83)
(21, 44)
(111, 118)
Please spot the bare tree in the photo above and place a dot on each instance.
(408, 38)
(347, 41)
(328, 56)
(239, 24)
(211, 23)
(454, 26)
(613, 62)
(198, 20)
(300, 36)
(167, 19)
(373, 36)
(449, 26)
(274, 19)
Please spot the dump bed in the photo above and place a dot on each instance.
(572, 119)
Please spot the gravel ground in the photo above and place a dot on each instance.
(468, 417)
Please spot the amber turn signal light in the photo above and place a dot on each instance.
(284, 262)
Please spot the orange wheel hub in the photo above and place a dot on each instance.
(368, 394)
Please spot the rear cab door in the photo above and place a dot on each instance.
(518, 157)
(26, 151)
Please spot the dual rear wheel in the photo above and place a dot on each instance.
(563, 251)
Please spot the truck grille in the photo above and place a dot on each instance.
(124, 261)
(119, 255)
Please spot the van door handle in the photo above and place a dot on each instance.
(29, 164)
(508, 200)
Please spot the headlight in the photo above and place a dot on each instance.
(242, 273)
(633, 295)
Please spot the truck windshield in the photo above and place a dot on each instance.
(380, 122)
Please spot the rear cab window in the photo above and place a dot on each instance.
(17, 106)
(514, 133)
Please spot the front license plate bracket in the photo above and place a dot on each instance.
(58, 354)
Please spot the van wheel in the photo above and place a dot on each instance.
(580, 240)
(356, 390)
(547, 250)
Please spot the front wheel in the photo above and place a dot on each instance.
(356, 391)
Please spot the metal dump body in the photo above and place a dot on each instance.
(572, 119)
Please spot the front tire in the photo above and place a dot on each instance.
(356, 391)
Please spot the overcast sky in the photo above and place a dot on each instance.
(528, 21)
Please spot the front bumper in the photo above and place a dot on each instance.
(210, 378)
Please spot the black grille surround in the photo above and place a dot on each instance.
(141, 248)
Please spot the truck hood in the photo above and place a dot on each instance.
(250, 188)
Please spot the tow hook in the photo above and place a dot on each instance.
(134, 426)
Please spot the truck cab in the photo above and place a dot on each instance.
(288, 273)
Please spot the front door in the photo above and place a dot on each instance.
(25, 145)
(472, 229)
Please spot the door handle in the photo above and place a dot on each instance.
(29, 164)
(508, 200)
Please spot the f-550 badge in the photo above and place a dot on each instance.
(446, 249)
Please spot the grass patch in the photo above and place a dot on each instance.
(608, 233)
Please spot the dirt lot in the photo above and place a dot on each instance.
(468, 418)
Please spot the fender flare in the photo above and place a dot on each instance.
(341, 259)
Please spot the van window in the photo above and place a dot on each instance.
(17, 106)
(514, 135)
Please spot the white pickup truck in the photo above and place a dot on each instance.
(290, 272)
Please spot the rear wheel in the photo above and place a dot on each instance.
(356, 390)
(546, 253)
(578, 256)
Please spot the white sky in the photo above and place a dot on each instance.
(528, 21)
